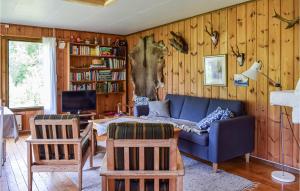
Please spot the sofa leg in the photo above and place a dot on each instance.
(247, 157)
(215, 167)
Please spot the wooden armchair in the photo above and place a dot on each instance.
(142, 156)
(58, 145)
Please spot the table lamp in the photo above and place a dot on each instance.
(289, 98)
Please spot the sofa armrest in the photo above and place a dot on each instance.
(140, 110)
(231, 138)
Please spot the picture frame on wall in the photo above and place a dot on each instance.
(215, 70)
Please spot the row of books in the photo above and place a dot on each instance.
(77, 87)
(79, 76)
(105, 75)
(109, 87)
(110, 63)
(101, 88)
(96, 51)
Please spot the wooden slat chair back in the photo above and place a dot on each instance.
(51, 127)
(142, 156)
(58, 145)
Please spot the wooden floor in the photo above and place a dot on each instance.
(15, 173)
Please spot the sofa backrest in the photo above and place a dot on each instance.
(175, 104)
(196, 108)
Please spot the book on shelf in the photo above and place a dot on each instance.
(118, 75)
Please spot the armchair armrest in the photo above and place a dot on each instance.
(231, 138)
(140, 110)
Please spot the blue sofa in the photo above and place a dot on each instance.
(226, 139)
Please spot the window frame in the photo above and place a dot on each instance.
(21, 39)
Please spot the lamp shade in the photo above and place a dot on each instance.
(252, 71)
(289, 98)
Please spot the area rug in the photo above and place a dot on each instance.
(198, 177)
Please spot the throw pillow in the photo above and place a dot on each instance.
(159, 108)
(139, 100)
(214, 116)
(227, 114)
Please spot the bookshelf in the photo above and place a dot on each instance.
(100, 68)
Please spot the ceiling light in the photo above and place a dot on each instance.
(93, 2)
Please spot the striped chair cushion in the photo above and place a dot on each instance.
(135, 130)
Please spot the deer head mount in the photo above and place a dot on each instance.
(214, 35)
(178, 42)
(291, 22)
(240, 57)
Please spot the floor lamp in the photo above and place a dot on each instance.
(280, 98)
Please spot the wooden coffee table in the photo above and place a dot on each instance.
(103, 137)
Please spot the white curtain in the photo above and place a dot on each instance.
(49, 61)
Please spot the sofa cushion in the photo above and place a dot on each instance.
(236, 107)
(175, 104)
(194, 108)
(195, 138)
(210, 118)
(159, 108)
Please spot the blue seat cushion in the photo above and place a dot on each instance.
(195, 138)
(194, 108)
(175, 104)
(236, 107)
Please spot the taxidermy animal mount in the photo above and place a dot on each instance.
(147, 62)
(291, 22)
(240, 57)
(178, 42)
(214, 35)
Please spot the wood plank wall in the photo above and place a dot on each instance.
(250, 26)
(21, 31)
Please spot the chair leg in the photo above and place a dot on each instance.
(180, 183)
(80, 180)
(1, 157)
(29, 163)
(247, 157)
(104, 183)
(215, 167)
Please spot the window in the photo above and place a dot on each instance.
(26, 74)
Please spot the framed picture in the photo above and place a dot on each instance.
(240, 80)
(215, 70)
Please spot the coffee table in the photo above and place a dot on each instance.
(103, 137)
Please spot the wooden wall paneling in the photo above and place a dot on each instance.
(287, 74)
(241, 43)
(166, 41)
(274, 74)
(296, 152)
(194, 57)
(223, 46)
(207, 48)
(251, 57)
(161, 37)
(247, 26)
(181, 62)
(170, 62)
(175, 64)
(231, 58)
(4, 72)
(187, 58)
(262, 82)
(200, 48)
(215, 91)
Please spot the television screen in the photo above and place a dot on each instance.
(75, 101)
